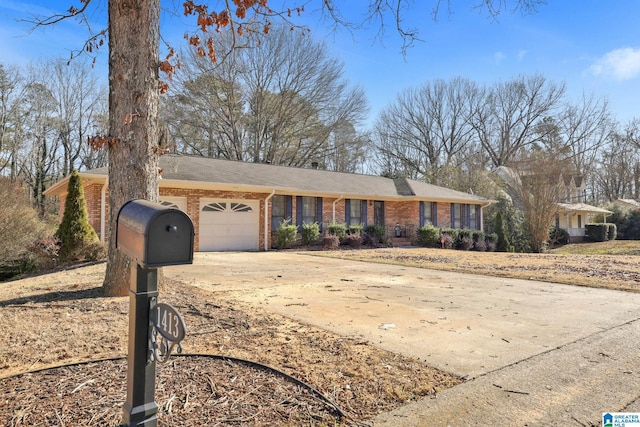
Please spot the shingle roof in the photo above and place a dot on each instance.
(213, 172)
(629, 202)
(583, 207)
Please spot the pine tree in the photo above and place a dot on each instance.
(74, 232)
(503, 244)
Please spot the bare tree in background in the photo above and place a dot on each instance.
(346, 149)
(39, 148)
(427, 128)
(12, 86)
(505, 116)
(536, 190)
(75, 107)
(618, 173)
(297, 97)
(79, 102)
(283, 101)
(585, 127)
(205, 109)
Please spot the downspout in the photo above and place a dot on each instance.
(103, 213)
(266, 219)
(482, 206)
(334, 206)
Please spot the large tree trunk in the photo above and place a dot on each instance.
(134, 31)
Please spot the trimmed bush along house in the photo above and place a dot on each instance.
(238, 206)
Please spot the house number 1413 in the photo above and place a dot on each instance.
(169, 323)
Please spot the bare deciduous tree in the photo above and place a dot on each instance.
(426, 128)
(39, 141)
(584, 128)
(205, 110)
(79, 102)
(297, 97)
(536, 190)
(282, 101)
(12, 88)
(618, 173)
(505, 116)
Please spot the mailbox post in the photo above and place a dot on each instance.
(152, 236)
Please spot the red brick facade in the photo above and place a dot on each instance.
(403, 213)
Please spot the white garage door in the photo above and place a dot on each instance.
(175, 202)
(229, 225)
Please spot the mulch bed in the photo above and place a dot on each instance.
(190, 391)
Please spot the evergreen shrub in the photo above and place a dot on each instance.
(337, 229)
(429, 236)
(75, 232)
(310, 233)
(376, 232)
(286, 234)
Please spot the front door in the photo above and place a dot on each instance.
(378, 212)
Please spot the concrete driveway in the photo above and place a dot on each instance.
(534, 353)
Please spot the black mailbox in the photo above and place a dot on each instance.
(154, 235)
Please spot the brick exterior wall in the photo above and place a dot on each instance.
(92, 194)
(406, 214)
(327, 210)
(443, 215)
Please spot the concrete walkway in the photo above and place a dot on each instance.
(567, 386)
(533, 353)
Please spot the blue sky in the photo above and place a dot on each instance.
(592, 45)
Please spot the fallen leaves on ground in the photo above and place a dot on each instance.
(63, 319)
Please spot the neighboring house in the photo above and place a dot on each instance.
(627, 204)
(573, 213)
(238, 206)
(574, 216)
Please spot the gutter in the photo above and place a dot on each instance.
(334, 206)
(266, 219)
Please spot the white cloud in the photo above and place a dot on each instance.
(499, 57)
(521, 54)
(622, 64)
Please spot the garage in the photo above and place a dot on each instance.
(229, 225)
(174, 202)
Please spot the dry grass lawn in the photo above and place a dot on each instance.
(612, 265)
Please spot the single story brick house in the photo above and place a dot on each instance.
(237, 206)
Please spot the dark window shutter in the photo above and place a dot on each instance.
(288, 201)
(319, 212)
(299, 212)
(421, 214)
(453, 219)
(347, 211)
(467, 215)
(434, 213)
(477, 225)
(363, 220)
